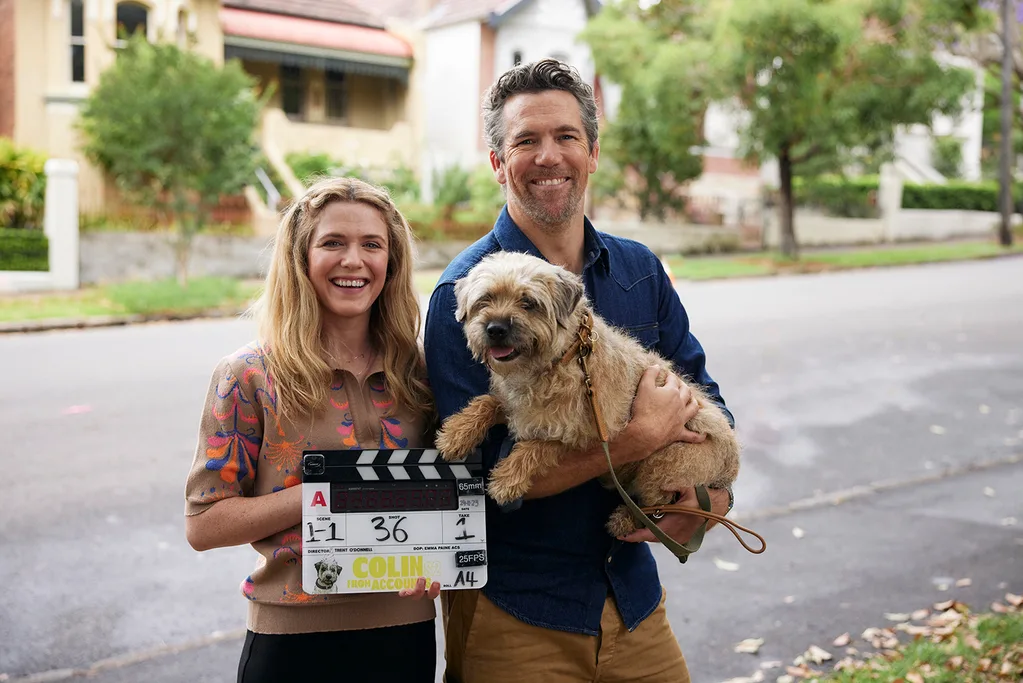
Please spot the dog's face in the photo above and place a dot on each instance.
(516, 310)
(327, 573)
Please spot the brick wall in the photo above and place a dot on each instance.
(7, 68)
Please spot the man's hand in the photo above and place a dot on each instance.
(681, 527)
(659, 417)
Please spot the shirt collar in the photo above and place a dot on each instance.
(511, 238)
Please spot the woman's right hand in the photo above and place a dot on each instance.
(420, 591)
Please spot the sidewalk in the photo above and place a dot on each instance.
(895, 551)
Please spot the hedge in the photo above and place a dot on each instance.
(954, 195)
(847, 197)
(23, 250)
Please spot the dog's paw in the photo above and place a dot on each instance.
(452, 444)
(620, 522)
(506, 484)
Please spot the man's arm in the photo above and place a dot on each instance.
(659, 418)
(678, 343)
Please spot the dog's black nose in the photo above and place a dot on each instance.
(497, 330)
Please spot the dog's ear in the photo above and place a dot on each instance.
(318, 565)
(461, 303)
(567, 289)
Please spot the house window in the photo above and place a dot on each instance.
(182, 35)
(337, 95)
(77, 41)
(292, 91)
(516, 57)
(131, 18)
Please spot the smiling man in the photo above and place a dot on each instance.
(565, 602)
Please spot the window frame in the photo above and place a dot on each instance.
(76, 43)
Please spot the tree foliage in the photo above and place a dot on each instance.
(815, 78)
(174, 132)
(818, 76)
(661, 58)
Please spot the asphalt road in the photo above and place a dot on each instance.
(882, 414)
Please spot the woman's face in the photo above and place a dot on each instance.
(348, 260)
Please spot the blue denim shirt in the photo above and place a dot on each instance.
(551, 561)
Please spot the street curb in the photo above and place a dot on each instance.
(85, 322)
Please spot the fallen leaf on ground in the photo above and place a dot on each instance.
(842, 640)
(937, 429)
(817, 655)
(785, 679)
(771, 664)
(725, 565)
(999, 608)
(920, 614)
(789, 599)
(984, 409)
(1013, 599)
(913, 677)
(896, 616)
(954, 663)
(989, 492)
(942, 606)
(749, 646)
(963, 583)
(797, 532)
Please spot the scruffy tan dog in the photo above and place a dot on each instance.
(521, 315)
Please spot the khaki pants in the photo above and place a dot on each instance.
(485, 644)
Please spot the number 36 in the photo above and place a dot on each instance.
(399, 534)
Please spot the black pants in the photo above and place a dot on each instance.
(402, 654)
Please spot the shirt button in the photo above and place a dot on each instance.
(609, 560)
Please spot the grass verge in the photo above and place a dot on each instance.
(947, 645)
(134, 298)
(751, 265)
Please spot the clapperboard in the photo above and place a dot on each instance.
(377, 520)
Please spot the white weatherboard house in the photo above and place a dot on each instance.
(468, 43)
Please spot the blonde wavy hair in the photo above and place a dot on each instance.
(289, 317)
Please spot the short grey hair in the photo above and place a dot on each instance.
(536, 77)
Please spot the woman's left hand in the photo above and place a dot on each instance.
(420, 591)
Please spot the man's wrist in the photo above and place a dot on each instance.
(731, 496)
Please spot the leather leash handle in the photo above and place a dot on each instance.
(680, 550)
(729, 524)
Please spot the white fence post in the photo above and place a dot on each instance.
(889, 199)
(61, 222)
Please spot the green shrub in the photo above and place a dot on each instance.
(837, 196)
(486, 196)
(948, 156)
(22, 187)
(402, 184)
(954, 195)
(308, 166)
(23, 250)
(451, 188)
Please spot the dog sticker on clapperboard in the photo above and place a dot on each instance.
(328, 571)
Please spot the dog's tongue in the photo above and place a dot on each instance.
(501, 351)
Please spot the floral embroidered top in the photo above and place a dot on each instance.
(244, 449)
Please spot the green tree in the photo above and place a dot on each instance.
(661, 58)
(174, 132)
(818, 76)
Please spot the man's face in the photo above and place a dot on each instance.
(547, 160)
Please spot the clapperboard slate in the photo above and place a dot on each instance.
(377, 520)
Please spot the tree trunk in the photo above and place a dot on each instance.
(182, 247)
(789, 247)
(1005, 167)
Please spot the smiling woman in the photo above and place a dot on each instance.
(336, 365)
